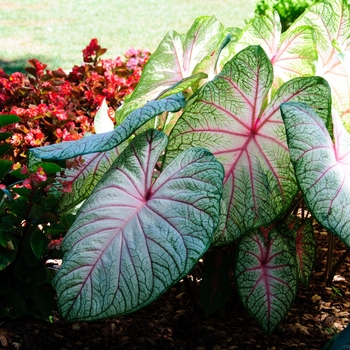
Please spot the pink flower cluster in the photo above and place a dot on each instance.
(35, 178)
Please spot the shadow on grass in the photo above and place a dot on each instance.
(14, 66)
(18, 65)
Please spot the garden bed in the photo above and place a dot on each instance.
(318, 312)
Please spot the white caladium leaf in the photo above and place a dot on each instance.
(321, 167)
(230, 118)
(266, 277)
(175, 59)
(292, 53)
(109, 140)
(102, 122)
(134, 237)
(331, 22)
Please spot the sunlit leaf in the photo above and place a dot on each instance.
(81, 177)
(331, 21)
(292, 53)
(102, 121)
(175, 59)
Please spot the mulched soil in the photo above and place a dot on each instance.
(319, 312)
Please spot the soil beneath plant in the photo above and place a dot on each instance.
(318, 312)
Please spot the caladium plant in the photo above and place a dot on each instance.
(250, 137)
(232, 118)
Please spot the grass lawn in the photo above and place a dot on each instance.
(56, 31)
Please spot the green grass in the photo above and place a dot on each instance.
(56, 31)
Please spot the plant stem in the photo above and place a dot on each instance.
(329, 256)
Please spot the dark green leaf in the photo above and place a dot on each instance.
(341, 341)
(7, 119)
(30, 258)
(50, 168)
(23, 192)
(17, 173)
(4, 135)
(38, 242)
(13, 304)
(18, 206)
(4, 148)
(5, 166)
(8, 252)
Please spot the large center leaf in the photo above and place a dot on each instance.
(133, 238)
(229, 117)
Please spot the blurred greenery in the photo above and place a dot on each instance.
(56, 31)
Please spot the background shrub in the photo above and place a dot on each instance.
(288, 10)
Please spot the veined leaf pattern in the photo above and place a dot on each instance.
(266, 277)
(321, 167)
(133, 238)
(230, 118)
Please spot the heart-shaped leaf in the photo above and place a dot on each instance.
(133, 238)
(109, 140)
(321, 167)
(292, 53)
(331, 22)
(266, 277)
(175, 59)
(230, 118)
